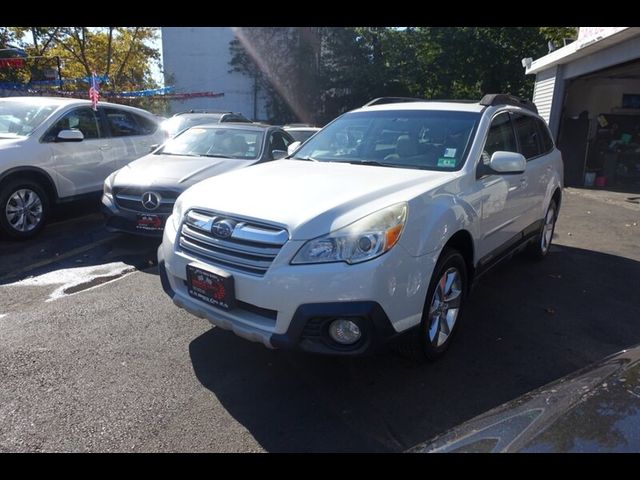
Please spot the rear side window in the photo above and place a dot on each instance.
(278, 141)
(235, 118)
(122, 123)
(545, 139)
(528, 137)
(147, 126)
(500, 138)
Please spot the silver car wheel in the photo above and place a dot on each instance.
(547, 229)
(24, 210)
(445, 306)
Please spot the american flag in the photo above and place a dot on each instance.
(94, 94)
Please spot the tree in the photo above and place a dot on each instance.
(124, 54)
(355, 64)
(283, 64)
(557, 35)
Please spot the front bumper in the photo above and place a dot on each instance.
(121, 220)
(291, 306)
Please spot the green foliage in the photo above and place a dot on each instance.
(315, 74)
(558, 34)
(122, 53)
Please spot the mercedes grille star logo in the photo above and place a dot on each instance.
(223, 228)
(150, 200)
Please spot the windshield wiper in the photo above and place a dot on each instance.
(306, 159)
(372, 162)
(215, 155)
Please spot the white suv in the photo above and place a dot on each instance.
(56, 149)
(380, 223)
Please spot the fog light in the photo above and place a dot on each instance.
(344, 331)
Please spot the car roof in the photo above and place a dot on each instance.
(426, 105)
(491, 102)
(71, 101)
(200, 114)
(301, 129)
(236, 125)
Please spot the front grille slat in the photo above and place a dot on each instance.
(228, 246)
(251, 247)
(241, 261)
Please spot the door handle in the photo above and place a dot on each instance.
(105, 147)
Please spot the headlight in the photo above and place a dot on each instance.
(108, 183)
(176, 214)
(363, 240)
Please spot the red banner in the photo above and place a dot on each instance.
(11, 62)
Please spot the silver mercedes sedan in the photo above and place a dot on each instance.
(139, 197)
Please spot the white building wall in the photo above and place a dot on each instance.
(548, 92)
(543, 92)
(196, 59)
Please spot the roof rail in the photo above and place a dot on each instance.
(202, 111)
(384, 100)
(504, 99)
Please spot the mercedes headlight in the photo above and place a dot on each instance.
(108, 184)
(362, 240)
(176, 214)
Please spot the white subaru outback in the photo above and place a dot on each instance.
(378, 224)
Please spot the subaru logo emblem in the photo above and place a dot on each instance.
(223, 228)
(150, 200)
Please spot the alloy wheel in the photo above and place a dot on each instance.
(24, 210)
(444, 307)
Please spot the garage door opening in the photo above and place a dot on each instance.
(600, 129)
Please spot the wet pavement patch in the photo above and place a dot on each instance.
(77, 279)
(96, 281)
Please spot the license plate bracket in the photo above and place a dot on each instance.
(212, 286)
(149, 222)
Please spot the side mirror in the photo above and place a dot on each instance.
(278, 154)
(293, 147)
(153, 147)
(69, 136)
(506, 163)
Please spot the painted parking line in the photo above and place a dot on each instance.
(58, 258)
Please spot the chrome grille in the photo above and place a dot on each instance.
(130, 198)
(251, 247)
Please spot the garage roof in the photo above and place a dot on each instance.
(581, 48)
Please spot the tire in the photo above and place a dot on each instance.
(437, 328)
(24, 208)
(539, 249)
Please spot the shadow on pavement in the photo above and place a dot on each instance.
(526, 324)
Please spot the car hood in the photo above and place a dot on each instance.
(594, 410)
(174, 170)
(6, 143)
(310, 198)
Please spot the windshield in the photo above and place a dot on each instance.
(216, 142)
(424, 139)
(21, 118)
(177, 124)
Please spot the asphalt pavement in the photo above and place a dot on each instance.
(95, 357)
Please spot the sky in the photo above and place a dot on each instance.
(155, 70)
